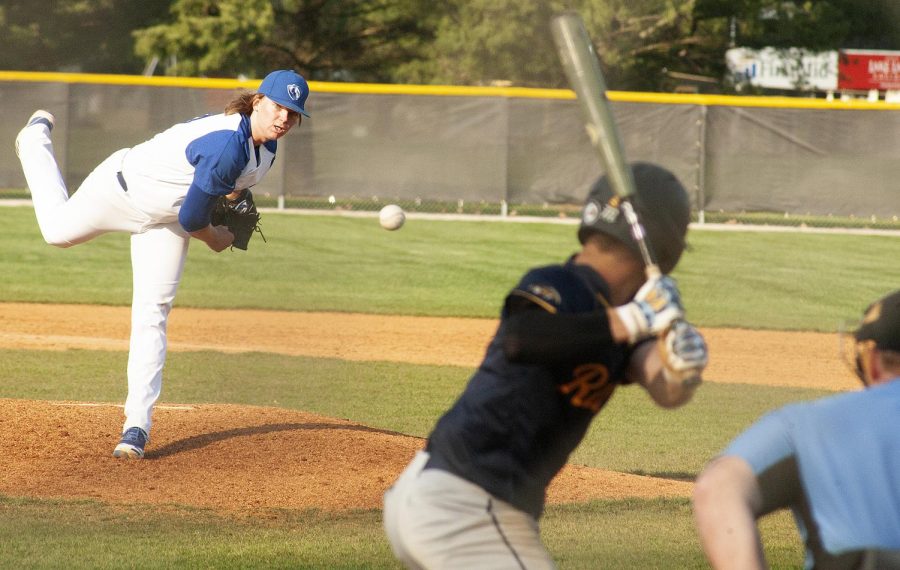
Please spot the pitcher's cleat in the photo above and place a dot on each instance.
(132, 444)
(39, 117)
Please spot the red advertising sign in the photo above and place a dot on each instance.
(868, 69)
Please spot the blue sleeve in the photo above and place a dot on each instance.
(196, 210)
(218, 158)
(765, 443)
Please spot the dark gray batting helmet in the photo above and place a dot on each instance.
(661, 203)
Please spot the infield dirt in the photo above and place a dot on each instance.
(238, 457)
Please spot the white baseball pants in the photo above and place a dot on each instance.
(158, 251)
(436, 520)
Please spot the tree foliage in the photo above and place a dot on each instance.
(810, 24)
(639, 40)
(74, 35)
(509, 41)
(478, 42)
(360, 40)
(207, 37)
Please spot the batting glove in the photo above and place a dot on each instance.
(684, 352)
(655, 306)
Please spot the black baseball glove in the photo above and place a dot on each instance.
(239, 216)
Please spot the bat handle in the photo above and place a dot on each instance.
(651, 268)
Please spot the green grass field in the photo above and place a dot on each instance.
(320, 263)
(767, 281)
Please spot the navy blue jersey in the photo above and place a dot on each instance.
(514, 426)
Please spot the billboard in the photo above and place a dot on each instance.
(860, 69)
(787, 68)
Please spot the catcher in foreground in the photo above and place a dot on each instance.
(834, 462)
(163, 192)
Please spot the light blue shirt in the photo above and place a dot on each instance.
(847, 449)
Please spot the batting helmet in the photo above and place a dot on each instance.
(661, 203)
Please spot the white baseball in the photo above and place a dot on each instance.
(391, 217)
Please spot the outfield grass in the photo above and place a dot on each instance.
(778, 281)
(322, 263)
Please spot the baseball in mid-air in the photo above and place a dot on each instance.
(392, 217)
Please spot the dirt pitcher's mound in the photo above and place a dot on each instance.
(234, 458)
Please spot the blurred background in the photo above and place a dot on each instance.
(774, 112)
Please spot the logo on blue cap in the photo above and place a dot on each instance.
(287, 88)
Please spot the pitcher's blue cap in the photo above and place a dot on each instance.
(287, 88)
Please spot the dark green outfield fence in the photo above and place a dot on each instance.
(508, 151)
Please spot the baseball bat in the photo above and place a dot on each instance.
(582, 67)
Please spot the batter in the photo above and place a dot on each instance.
(569, 336)
(162, 192)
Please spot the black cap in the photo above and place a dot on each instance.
(881, 323)
(661, 203)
